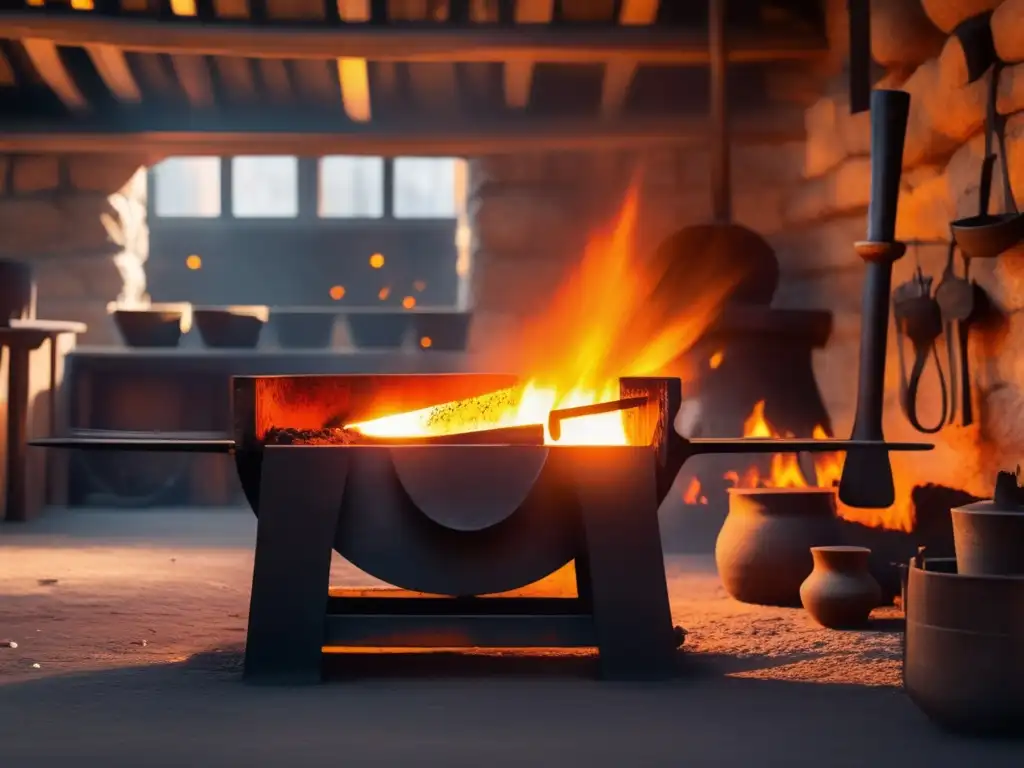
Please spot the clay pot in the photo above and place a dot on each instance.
(948, 14)
(17, 292)
(763, 552)
(964, 644)
(236, 327)
(840, 593)
(988, 541)
(149, 327)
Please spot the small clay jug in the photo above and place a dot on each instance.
(840, 593)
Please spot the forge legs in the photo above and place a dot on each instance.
(297, 518)
(623, 570)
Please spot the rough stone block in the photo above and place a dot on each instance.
(822, 246)
(1008, 30)
(64, 225)
(1011, 90)
(101, 173)
(902, 36)
(947, 14)
(844, 188)
(521, 219)
(36, 173)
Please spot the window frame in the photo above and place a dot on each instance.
(308, 191)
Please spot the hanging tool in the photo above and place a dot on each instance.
(867, 480)
(955, 296)
(860, 55)
(918, 318)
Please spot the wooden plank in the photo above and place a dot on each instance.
(315, 82)
(483, 11)
(155, 76)
(276, 83)
(295, 10)
(6, 71)
(484, 42)
(432, 135)
(618, 75)
(231, 9)
(355, 89)
(354, 11)
(113, 69)
(236, 75)
(46, 59)
(194, 76)
(519, 74)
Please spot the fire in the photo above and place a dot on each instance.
(617, 314)
(785, 472)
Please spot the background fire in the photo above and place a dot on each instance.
(786, 471)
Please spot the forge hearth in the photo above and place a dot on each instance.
(447, 524)
(456, 502)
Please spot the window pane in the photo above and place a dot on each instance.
(187, 186)
(425, 187)
(265, 187)
(351, 187)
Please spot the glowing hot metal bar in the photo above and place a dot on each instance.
(556, 417)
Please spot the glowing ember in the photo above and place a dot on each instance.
(716, 360)
(693, 494)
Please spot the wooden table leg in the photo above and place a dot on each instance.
(17, 432)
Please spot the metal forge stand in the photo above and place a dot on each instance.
(622, 606)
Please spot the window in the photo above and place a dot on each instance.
(424, 188)
(265, 187)
(351, 187)
(187, 187)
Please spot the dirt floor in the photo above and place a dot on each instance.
(129, 628)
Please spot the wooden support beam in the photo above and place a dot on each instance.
(404, 42)
(519, 74)
(618, 75)
(46, 59)
(428, 136)
(113, 69)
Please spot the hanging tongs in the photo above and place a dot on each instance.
(919, 319)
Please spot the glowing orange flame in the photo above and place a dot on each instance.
(615, 315)
(692, 494)
(785, 472)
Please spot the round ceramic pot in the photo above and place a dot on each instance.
(763, 552)
(840, 593)
(989, 541)
(964, 644)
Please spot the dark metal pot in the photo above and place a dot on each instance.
(149, 327)
(989, 541)
(17, 292)
(381, 329)
(303, 328)
(230, 327)
(964, 648)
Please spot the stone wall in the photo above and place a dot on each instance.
(944, 149)
(531, 215)
(86, 244)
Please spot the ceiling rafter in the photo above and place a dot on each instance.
(113, 69)
(519, 74)
(46, 59)
(438, 136)
(618, 75)
(567, 43)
